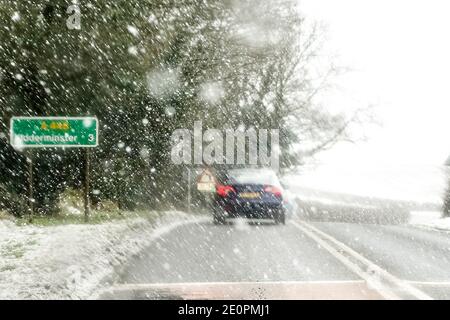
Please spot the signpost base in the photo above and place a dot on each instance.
(87, 205)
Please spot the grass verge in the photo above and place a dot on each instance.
(96, 217)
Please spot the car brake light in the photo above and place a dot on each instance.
(274, 190)
(223, 191)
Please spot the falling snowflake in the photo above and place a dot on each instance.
(15, 17)
(170, 111)
(87, 123)
(163, 82)
(212, 92)
(152, 19)
(133, 50)
(133, 30)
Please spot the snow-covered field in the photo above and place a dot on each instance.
(419, 189)
(73, 261)
(416, 183)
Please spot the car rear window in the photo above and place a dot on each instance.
(253, 177)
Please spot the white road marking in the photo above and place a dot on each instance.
(340, 250)
(384, 292)
(430, 283)
(144, 286)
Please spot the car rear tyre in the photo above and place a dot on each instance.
(280, 218)
(218, 220)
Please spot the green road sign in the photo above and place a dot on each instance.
(41, 132)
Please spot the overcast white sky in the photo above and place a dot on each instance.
(400, 51)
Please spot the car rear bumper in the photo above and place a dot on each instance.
(251, 210)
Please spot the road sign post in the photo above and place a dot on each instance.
(87, 181)
(189, 190)
(30, 187)
(55, 132)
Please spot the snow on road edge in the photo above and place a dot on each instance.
(72, 261)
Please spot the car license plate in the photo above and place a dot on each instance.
(249, 195)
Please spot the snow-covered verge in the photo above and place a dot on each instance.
(430, 220)
(73, 261)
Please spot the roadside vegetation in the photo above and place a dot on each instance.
(146, 68)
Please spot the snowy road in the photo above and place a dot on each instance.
(414, 263)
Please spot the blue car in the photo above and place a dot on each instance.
(249, 193)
